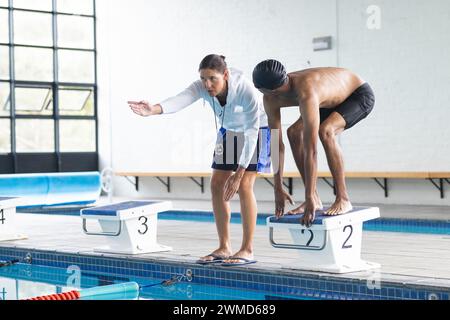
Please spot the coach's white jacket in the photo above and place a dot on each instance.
(244, 111)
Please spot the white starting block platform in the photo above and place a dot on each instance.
(7, 219)
(332, 244)
(131, 226)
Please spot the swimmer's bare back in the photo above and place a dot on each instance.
(332, 86)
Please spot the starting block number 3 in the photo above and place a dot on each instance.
(131, 226)
(144, 224)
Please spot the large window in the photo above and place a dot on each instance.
(48, 86)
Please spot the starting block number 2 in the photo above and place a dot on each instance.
(348, 230)
(331, 245)
(345, 245)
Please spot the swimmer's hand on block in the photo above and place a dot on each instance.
(144, 108)
(281, 198)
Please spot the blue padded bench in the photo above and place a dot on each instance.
(50, 189)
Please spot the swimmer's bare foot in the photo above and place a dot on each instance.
(219, 254)
(301, 209)
(340, 206)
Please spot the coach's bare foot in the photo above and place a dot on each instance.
(340, 206)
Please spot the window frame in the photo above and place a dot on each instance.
(58, 161)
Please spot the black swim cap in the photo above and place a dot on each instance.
(269, 74)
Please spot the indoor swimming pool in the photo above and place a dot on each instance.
(40, 273)
(382, 224)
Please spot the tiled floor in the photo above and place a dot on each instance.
(405, 258)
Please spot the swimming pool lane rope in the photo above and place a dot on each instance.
(91, 292)
(8, 263)
(166, 283)
(71, 295)
(132, 287)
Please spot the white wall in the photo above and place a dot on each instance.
(151, 50)
(154, 49)
(407, 63)
(418, 192)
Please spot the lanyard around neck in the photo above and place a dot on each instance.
(222, 114)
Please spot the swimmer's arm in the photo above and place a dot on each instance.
(274, 120)
(281, 196)
(309, 109)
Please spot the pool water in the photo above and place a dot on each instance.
(23, 281)
(381, 224)
(48, 274)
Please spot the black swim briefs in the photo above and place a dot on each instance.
(355, 108)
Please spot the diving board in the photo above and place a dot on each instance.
(130, 227)
(332, 244)
(7, 219)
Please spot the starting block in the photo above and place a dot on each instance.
(7, 220)
(131, 226)
(332, 244)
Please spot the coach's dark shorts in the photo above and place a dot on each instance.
(357, 107)
(229, 149)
